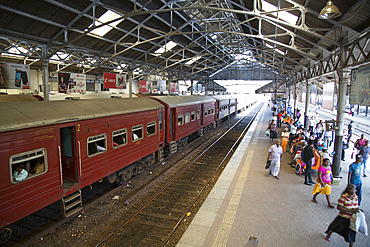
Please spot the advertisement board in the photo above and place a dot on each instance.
(174, 87)
(77, 83)
(112, 80)
(313, 94)
(328, 96)
(360, 86)
(14, 76)
(143, 86)
(161, 85)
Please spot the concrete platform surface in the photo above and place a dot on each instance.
(247, 202)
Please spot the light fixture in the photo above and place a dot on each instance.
(330, 11)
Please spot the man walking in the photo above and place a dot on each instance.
(274, 155)
(349, 131)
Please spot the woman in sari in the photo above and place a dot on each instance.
(284, 139)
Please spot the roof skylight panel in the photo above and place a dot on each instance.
(106, 17)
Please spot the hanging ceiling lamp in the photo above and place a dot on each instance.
(330, 11)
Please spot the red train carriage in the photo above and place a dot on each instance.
(186, 115)
(66, 145)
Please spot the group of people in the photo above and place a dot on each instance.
(20, 173)
(307, 141)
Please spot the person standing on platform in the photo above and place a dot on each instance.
(347, 205)
(323, 183)
(279, 117)
(307, 158)
(349, 131)
(298, 115)
(272, 128)
(311, 124)
(274, 155)
(319, 129)
(364, 152)
(360, 142)
(284, 139)
(354, 176)
(293, 132)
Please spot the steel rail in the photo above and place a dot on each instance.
(209, 180)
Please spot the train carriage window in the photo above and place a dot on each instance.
(150, 128)
(193, 116)
(27, 165)
(198, 114)
(187, 118)
(96, 144)
(213, 109)
(160, 121)
(137, 132)
(180, 120)
(119, 138)
(205, 113)
(209, 111)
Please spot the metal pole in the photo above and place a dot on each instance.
(307, 106)
(191, 88)
(295, 99)
(340, 117)
(45, 63)
(130, 79)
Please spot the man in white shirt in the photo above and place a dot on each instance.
(274, 155)
(19, 174)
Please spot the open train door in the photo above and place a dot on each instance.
(68, 155)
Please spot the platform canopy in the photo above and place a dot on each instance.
(279, 40)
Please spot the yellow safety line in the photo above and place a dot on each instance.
(229, 216)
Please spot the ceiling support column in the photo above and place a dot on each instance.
(130, 80)
(45, 67)
(307, 105)
(191, 87)
(338, 144)
(295, 100)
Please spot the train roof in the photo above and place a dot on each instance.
(175, 101)
(221, 97)
(28, 114)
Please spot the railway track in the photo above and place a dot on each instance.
(157, 220)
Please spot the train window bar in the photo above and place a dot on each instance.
(34, 162)
(96, 144)
(193, 116)
(150, 128)
(180, 120)
(119, 138)
(187, 118)
(137, 132)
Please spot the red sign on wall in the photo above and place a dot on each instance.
(109, 80)
(142, 86)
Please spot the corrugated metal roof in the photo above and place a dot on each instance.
(175, 101)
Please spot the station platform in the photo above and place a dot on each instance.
(247, 202)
